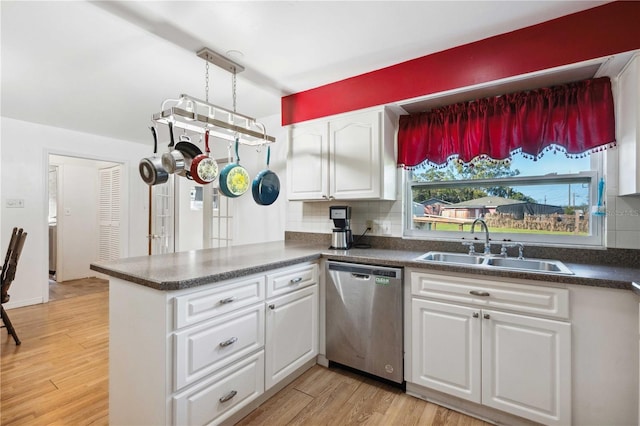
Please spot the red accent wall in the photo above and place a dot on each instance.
(593, 33)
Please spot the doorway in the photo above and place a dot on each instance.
(85, 205)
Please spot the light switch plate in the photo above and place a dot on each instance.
(15, 203)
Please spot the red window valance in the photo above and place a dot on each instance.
(575, 117)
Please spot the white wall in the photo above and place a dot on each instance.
(253, 223)
(24, 155)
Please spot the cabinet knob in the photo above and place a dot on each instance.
(487, 316)
(228, 396)
(272, 307)
(480, 293)
(476, 315)
(227, 300)
(228, 342)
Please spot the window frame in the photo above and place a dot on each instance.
(596, 223)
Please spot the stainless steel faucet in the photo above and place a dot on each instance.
(487, 245)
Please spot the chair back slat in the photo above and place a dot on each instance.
(9, 270)
(12, 243)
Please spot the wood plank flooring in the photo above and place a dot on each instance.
(59, 376)
(333, 396)
(74, 288)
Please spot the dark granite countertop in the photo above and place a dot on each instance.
(194, 268)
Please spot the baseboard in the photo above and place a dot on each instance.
(469, 408)
(22, 303)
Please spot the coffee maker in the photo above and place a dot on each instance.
(342, 237)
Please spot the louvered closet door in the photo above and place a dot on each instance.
(110, 213)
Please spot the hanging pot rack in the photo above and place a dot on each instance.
(196, 115)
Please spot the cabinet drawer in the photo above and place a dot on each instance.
(291, 279)
(533, 299)
(226, 297)
(209, 346)
(221, 395)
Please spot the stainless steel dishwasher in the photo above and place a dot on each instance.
(364, 318)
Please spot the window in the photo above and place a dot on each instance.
(548, 201)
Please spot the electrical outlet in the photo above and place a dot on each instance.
(15, 203)
(385, 227)
(369, 225)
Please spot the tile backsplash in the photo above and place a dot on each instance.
(622, 220)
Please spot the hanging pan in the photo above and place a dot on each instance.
(150, 168)
(173, 161)
(204, 169)
(234, 179)
(266, 185)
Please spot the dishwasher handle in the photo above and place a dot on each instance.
(360, 276)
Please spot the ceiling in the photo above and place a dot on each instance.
(105, 67)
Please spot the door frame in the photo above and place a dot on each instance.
(125, 219)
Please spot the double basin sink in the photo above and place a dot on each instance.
(496, 262)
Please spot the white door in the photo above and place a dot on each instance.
(526, 366)
(446, 348)
(109, 212)
(308, 162)
(355, 156)
(161, 218)
(291, 333)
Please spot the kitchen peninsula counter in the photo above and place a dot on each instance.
(191, 269)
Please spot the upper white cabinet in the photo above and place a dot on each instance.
(628, 130)
(347, 157)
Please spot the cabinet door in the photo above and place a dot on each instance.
(628, 129)
(526, 366)
(291, 333)
(446, 348)
(355, 166)
(308, 162)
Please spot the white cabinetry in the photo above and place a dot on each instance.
(628, 128)
(463, 346)
(292, 322)
(347, 157)
(203, 355)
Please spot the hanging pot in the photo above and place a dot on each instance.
(150, 168)
(266, 185)
(173, 161)
(204, 169)
(234, 179)
(189, 152)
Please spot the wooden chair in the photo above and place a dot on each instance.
(7, 275)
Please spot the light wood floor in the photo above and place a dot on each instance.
(74, 288)
(59, 375)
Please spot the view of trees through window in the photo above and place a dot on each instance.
(547, 196)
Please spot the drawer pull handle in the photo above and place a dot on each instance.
(227, 300)
(228, 342)
(476, 315)
(228, 396)
(295, 280)
(479, 293)
(487, 316)
(272, 307)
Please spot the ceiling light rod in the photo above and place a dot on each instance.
(219, 60)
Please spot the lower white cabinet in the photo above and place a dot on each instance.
(200, 356)
(446, 348)
(516, 363)
(291, 333)
(221, 395)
